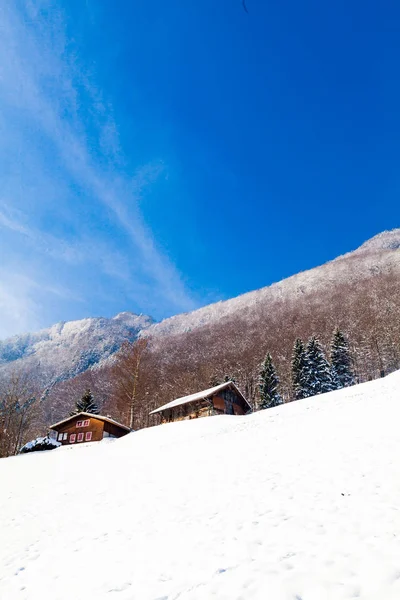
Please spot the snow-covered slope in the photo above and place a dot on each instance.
(68, 348)
(300, 502)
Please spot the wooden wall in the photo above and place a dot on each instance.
(226, 402)
(230, 402)
(95, 426)
(114, 430)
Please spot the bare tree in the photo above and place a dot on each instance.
(126, 377)
(18, 395)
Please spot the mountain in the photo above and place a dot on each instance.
(69, 348)
(359, 292)
(379, 255)
(295, 502)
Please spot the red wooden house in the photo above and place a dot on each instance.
(86, 427)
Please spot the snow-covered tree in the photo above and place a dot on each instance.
(86, 404)
(318, 378)
(299, 370)
(268, 385)
(341, 363)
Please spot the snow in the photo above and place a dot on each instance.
(379, 254)
(40, 441)
(387, 240)
(87, 414)
(199, 396)
(298, 502)
(68, 348)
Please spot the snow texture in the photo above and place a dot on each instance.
(40, 443)
(298, 502)
(66, 349)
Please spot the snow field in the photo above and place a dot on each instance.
(300, 502)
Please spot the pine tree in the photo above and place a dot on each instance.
(318, 378)
(268, 385)
(341, 364)
(299, 370)
(86, 404)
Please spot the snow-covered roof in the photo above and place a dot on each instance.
(201, 396)
(91, 415)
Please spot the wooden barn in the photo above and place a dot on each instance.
(223, 399)
(86, 427)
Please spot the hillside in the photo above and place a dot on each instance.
(358, 292)
(379, 255)
(294, 503)
(68, 348)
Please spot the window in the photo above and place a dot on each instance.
(60, 437)
(88, 436)
(80, 437)
(79, 423)
(65, 436)
(72, 438)
(86, 423)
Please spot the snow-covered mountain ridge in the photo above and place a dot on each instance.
(387, 240)
(379, 254)
(69, 348)
(301, 504)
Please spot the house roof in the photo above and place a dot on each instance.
(90, 415)
(201, 396)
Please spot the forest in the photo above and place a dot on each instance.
(156, 369)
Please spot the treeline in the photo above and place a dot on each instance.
(177, 365)
(311, 373)
(158, 369)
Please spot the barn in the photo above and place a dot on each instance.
(87, 427)
(225, 398)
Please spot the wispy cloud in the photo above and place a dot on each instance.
(18, 309)
(58, 134)
(22, 299)
(13, 224)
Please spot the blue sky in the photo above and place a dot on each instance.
(157, 156)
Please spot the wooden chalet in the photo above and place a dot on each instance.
(223, 399)
(86, 427)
